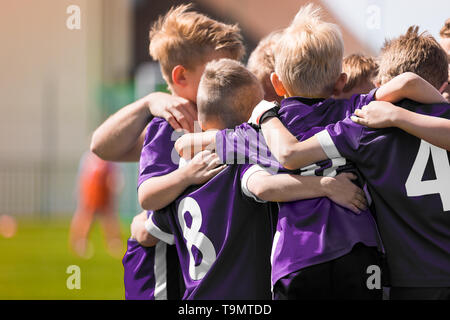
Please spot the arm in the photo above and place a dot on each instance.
(291, 153)
(121, 136)
(157, 192)
(191, 143)
(379, 114)
(288, 187)
(409, 85)
(139, 233)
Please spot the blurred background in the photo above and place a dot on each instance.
(65, 67)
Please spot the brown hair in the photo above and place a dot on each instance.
(359, 68)
(183, 37)
(445, 30)
(262, 62)
(414, 52)
(228, 92)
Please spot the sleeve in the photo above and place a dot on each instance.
(158, 156)
(247, 173)
(245, 145)
(158, 226)
(342, 139)
(360, 100)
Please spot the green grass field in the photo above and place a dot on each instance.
(33, 265)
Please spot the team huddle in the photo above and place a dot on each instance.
(311, 171)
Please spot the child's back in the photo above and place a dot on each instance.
(182, 42)
(223, 237)
(310, 233)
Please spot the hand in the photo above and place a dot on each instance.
(344, 192)
(179, 112)
(377, 114)
(203, 167)
(138, 231)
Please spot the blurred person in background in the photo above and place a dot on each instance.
(97, 187)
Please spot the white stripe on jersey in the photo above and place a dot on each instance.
(153, 229)
(160, 271)
(327, 144)
(274, 246)
(250, 171)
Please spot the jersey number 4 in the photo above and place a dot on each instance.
(196, 238)
(416, 187)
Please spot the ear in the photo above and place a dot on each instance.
(340, 84)
(443, 87)
(277, 85)
(179, 75)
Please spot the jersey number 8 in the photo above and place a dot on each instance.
(196, 238)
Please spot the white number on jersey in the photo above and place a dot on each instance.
(414, 184)
(194, 237)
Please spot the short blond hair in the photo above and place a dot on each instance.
(359, 69)
(308, 58)
(183, 37)
(228, 91)
(413, 52)
(445, 30)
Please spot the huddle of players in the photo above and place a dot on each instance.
(216, 223)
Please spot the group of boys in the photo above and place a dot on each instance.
(299, 200)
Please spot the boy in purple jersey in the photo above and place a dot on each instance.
(220, 224)
(316, 237)
(408, 178)
(183, 42)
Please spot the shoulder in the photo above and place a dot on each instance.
(160, 123)
(357, 101)
(158, 128)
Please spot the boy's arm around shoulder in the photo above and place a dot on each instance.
(409, 85)
(289, 187)
(157, 192)
(291, 153)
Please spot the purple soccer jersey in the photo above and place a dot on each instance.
(310, 231)
(158, 156)
(409, 181)
(223, 238)
(151, 273)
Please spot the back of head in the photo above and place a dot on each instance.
(227, 93)
(183, 37)
(359, 69)
(308, 58)
(413, 52)
(262, 62)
